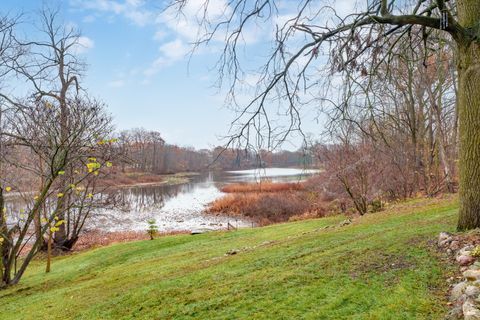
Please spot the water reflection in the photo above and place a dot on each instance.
(177, 207)
(180, 207)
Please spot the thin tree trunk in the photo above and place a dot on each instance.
(4, 247)
(49, 251)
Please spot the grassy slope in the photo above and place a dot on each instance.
(380, 267)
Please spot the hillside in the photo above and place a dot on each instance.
(379, 267)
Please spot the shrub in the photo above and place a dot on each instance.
(376, 205)
(152, 228)
(475, 252)
(264, 186)
(270, 205)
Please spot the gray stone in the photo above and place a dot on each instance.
(472, 275)
(472, 291)
(443, 236)
(470, 311)
(231, 252)
(444, 243)
(458, 290)
(475, 283)
(345, 222)
(454, 314)
(465, 251)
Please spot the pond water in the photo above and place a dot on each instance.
(174, 207)
(180, 207)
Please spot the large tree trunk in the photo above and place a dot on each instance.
(469, 118)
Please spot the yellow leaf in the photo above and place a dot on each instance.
(8, 189)
(61, 173)
(59, 195)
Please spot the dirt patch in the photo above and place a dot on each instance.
(379, 263)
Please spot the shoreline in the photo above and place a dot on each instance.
(166, 179)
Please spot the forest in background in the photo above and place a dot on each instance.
(141, 150)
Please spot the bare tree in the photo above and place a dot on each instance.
(353, 44)
(54, 71)
(37, 128)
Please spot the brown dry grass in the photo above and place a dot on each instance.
(269, 202)
(131, 178)
(265, 186)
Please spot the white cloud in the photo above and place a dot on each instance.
(186, 24)
(174, 31)
(159, 35)
(133, 10)
(170, 53)
(83, 45)
(174, 50)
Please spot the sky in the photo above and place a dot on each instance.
(139, 65)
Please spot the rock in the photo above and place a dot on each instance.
(345, 222)
(199, 231)
(444, 243)
(455, 314)
(470, 312)
(475, 283)
(472, 275)
(455, 245)
(458, 290)
(231, 252)
(472, 291)
(465, 260)
(443, 235)
(465, 251)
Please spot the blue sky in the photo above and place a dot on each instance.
(138, 65)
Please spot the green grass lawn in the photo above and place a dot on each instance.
(380, 267)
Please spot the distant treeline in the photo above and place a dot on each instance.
(147, 151)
